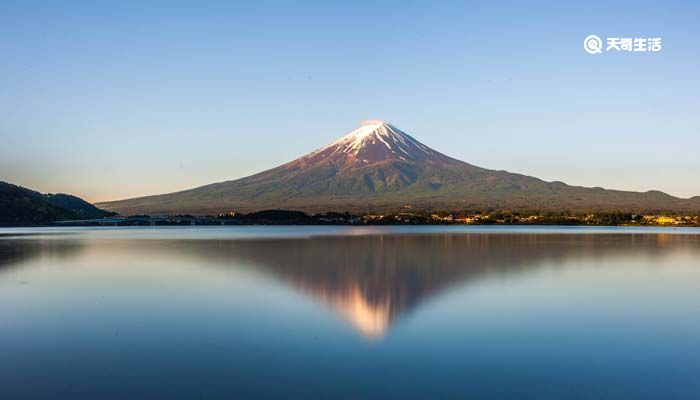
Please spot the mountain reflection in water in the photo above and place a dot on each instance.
(371, 280)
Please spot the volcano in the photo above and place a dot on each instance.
(378, 167)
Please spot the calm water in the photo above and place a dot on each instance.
(300, 312)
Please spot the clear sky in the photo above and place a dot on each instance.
(110, 100)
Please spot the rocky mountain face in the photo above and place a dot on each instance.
(377, 167)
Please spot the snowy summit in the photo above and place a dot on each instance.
(374, 141)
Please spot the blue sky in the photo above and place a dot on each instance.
(111, 101)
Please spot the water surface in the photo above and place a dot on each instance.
(338, 312)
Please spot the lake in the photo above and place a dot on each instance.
(346, 312)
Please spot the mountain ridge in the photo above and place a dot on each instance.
(22, 206)
(378, 167)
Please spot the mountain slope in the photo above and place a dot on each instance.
(81, 208)
(21, 206)
(378, 167)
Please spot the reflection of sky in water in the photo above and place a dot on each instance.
(206, 312)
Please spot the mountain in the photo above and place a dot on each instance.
(378, 167)
(81, 208)
(21, 206)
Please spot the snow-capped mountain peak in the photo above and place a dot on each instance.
(374, 141)
(378, 167)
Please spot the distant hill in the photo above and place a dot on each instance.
(21, 206)
(377, 167)
(81, 208)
